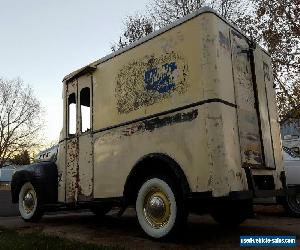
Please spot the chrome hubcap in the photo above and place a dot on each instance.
(29, 201)
(157, 208)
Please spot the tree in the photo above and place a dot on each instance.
(21, 159)
(136, 27)
(164, 12)
(278, 29)
(20, 118)
(274, 24)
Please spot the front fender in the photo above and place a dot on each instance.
(42, 175)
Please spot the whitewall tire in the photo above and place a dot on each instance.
(292, 204)
(159, 208)
(29, 204)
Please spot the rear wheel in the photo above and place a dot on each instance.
(292, 204)
(160, 208)
(231, 213)
(29, 203)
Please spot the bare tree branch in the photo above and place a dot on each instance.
(20, 118)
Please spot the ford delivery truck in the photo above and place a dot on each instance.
(182, 120)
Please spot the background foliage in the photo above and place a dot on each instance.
(274, 24)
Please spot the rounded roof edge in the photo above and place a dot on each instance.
(152, 35)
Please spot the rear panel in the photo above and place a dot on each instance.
(256, 104)
(248, 120)
(268, 110)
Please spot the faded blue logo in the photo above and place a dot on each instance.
(160, 80)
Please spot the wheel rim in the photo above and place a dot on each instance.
(29, 201)
(294, 203)
(157, 208)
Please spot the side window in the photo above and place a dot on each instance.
(85, 110)
(72, 114)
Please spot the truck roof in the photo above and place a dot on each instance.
(92, 66)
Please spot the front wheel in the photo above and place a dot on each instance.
(160, 208)
(29, 203)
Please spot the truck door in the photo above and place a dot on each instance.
(79, 164)
(72, 143)
(85, 169)
(252, 109)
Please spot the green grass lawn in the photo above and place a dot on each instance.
(10, 240)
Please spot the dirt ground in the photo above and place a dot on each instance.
(6, 207)
(201, 232)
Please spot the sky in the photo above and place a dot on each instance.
(41, 41)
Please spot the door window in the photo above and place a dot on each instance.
(72, 114)
(85, 110)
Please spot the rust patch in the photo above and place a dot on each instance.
(224, 41)
(152, 124)
(239, 175)
(150, 80)
(210, 181)
(72, 170)
(266, 72)
(234, 33)
(132, 130)
(59, 179)
(252, 153)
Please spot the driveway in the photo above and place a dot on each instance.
(201, 232)
(6, 207)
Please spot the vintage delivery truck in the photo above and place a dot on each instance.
(183, 119)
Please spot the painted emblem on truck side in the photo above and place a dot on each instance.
(161, 79)
(150, 80)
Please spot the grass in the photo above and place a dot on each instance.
(37, 240)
